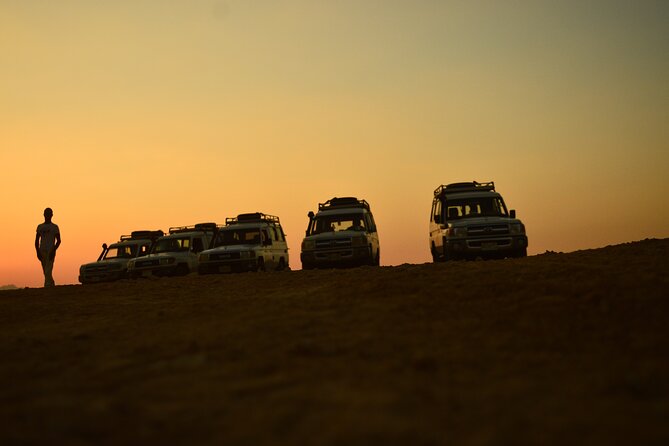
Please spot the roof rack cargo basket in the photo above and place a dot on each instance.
(253, 217)
(142, 235)
(197, 227)
(473, 186)
(343, 202)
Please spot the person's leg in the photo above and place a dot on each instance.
(47, 267)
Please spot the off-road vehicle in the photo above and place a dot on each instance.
(470, 220)
(342, 233)
(175, 254)
(248, 242)
(112, 264)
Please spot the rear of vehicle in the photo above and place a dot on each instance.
(248, 242)
(471, 220)
(342, 234)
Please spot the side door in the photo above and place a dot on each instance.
(373, 234)
(436, 222)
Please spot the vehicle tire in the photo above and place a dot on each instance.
(282, 264)
(520, 253)
(182, 270)
(377, 260)
(436, 258)
(261, 264)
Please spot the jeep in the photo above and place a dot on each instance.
(341, 234)
(112, 264)
(470, 220)
(175, 254)
(248, 242)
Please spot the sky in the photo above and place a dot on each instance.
(144, 114)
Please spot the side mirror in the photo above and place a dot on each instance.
(512, 213)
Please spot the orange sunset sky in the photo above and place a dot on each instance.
(137, 114)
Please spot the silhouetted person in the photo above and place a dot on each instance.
(47, 242)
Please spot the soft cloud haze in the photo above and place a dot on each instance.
(148, 114)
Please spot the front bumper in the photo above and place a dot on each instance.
(335, 258)
(101, 276)
(228, 266)
(494, 247)
(158, 271)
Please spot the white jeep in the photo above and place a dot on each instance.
(175, 254)
(248, 242)
(112, 264)
(470, 220)
(342, 233)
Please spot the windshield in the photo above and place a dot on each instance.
(171, 245)
(475, 207)
(121, 252)
(337, 223)
(229, 237)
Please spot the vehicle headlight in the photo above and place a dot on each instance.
(203, 257)
(308, 245)
(456, 232)
(359, 240)
(517, 228)
(167, 261)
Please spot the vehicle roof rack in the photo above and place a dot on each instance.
(254, 217)
(198, 227)
(343, 202)
(141, 235)
(473, 186)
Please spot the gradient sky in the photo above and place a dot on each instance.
(139, 114)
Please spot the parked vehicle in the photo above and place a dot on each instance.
(470, 220)
(175, 254)
(112, 264)
(248, 242)
(342, 233)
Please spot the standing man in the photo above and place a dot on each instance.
(47, 242)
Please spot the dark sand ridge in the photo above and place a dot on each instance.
(550, 349)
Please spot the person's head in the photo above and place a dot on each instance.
(48, 213)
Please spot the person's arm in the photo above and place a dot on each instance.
(39, 256)
(53, 252)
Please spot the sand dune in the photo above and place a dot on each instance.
(554, 348)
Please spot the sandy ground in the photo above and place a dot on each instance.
(552, 349)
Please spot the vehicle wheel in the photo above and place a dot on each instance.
(182, 270)
(435, 255)
(377, 260)
(261, 264)
(520, 253)
(282, 264)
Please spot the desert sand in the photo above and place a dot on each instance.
(550, 349)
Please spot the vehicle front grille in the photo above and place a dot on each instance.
(333, 243)
(97, 268)
(488, 230)
(145, 263)
(225, 256)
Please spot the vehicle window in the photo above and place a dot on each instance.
(281, 234)
(143, 250)
(337, 223)
(437, 209)
(475, 207)
(171, 245)
(198, 245)
(230, 237)
(276, 236)
(265, 235)
(121, 252)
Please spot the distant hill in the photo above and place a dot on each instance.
(8, 287)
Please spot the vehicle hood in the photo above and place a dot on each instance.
(334, 235)
(106, 262)
(232, 248)
(481, 221)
